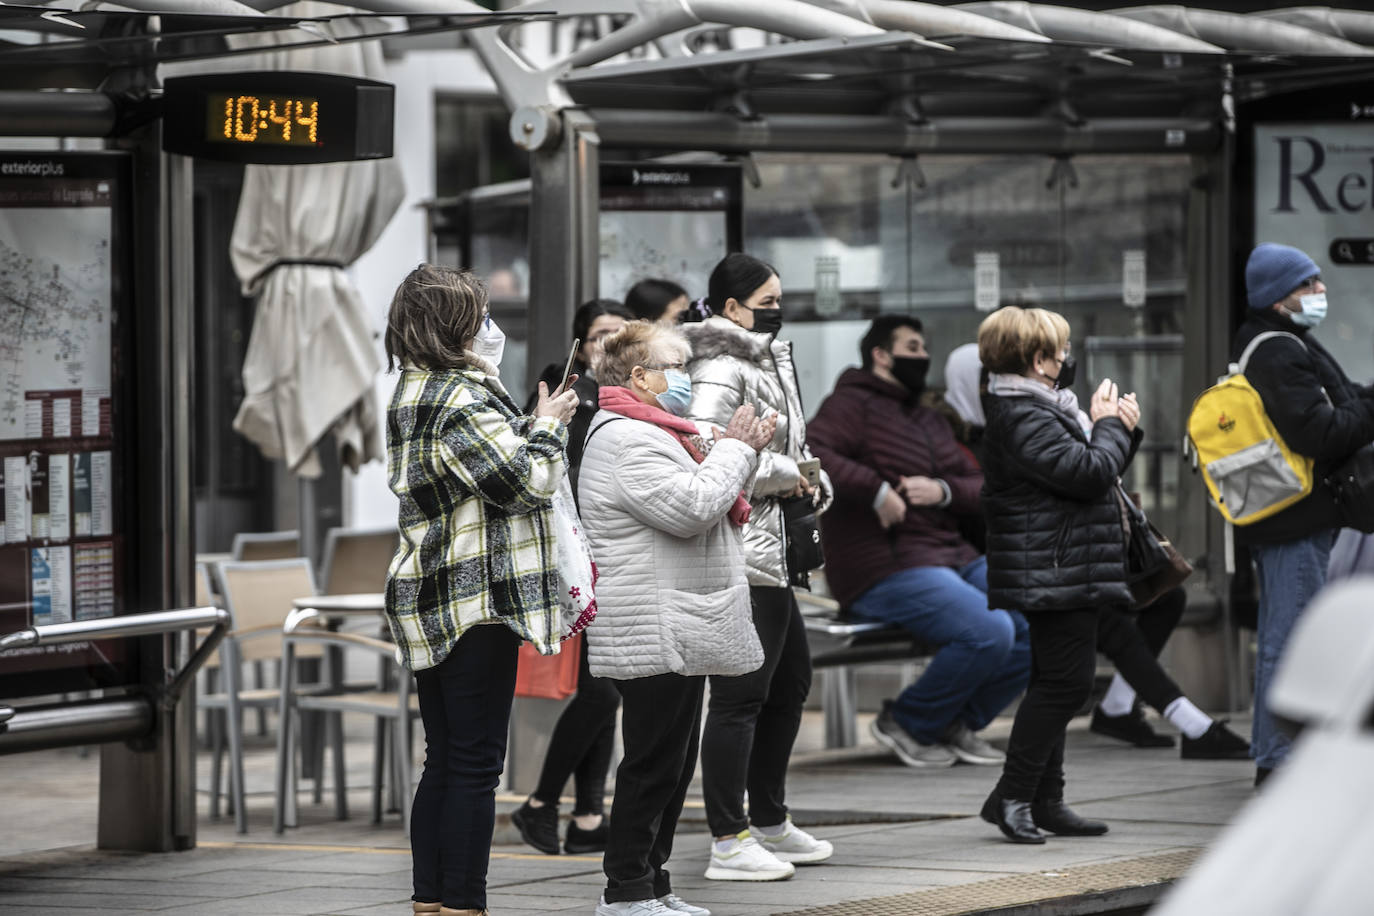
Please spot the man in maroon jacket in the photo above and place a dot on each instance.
(893, 551)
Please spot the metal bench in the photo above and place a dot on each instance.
(839, 643)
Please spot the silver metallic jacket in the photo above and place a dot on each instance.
(731, 367)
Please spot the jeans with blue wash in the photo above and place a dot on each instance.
(983, 660)
(1290, 574)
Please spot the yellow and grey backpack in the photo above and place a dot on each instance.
(1249, 470)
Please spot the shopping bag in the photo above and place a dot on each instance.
(549, 677)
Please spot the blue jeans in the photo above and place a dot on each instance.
(984, 657)
(1290, 574)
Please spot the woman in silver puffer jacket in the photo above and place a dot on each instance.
(753, 720)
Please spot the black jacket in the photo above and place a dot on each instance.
(1290, 380)
(587, 405)
(1055, 534)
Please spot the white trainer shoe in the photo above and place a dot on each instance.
(678, 905)
(651, 907)
(746, 860)
(795, 845)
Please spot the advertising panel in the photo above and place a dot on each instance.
(1314, 189)
(63, 275)
(667, 222)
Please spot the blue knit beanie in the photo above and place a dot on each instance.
(1274, 271)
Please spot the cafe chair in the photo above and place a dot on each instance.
(357, 559)
(258, 597)
(266, 545)
(392, 708)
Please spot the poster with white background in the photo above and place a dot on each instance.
(1314, 190)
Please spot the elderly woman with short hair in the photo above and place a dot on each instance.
(663, 510)
(1055, 547)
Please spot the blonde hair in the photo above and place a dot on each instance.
(435, 314)
(639, 343)
(1010, 338)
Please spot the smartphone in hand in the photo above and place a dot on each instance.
(567, 369)
(810, 468)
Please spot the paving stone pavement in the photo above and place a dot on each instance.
(896, 832)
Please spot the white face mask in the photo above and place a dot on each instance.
(1313, 310)
(490, 342)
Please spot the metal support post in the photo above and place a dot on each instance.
(839, 705)
(147, 789)
(565, 239)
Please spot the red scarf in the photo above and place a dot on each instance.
(621, 400)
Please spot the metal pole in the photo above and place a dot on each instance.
(79, 723)
(564, 238)
(824, 133)
(57, 114)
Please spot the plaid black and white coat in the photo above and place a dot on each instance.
(475, 478)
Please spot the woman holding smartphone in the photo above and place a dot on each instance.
(752, 721)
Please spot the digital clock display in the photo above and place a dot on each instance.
(278, 117)
(274, 119)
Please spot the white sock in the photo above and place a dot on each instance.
(727, 844)
(1119, 699)
(777, 830)
(1187, 718)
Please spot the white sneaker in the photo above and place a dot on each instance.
(746, 860)
(650, 907)
(795, 845)
(678, 905)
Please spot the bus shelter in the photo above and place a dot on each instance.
(941, 161)
(97, 246)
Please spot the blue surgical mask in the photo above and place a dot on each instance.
(1313, 310)
(678, 397)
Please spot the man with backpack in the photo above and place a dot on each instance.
(1321, 414)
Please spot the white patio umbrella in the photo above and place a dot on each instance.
(311, 357)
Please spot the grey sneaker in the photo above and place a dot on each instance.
(650, 907)
(970, 747)
(908, 750)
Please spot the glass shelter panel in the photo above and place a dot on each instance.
(1100, 239)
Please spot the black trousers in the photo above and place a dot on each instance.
(581, 743)
(1133, 645)
(465, 705)
(753, 719)
(661, 726)
(1063, 661)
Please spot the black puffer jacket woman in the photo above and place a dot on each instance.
(1054, 535)
(1056, 547)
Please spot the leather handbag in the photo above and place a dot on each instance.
(1153, 565)
(1352, 485)
(803, 534)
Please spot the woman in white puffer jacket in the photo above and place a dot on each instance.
(663, 512)
(752, 723)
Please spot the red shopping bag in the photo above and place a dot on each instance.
(551, 677)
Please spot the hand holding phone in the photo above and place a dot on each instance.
(572, 354)
(810, 469)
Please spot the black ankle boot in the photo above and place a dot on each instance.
(1058, 818)
(1012, 817)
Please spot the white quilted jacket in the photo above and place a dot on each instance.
(672, 596)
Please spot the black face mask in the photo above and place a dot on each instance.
(1068, 371)
(767, 321)
(911, 372)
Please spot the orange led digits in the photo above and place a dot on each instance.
(263, 119)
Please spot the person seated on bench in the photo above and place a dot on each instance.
(1131, 641)
(894, 552)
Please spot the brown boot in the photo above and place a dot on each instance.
(450, 911)
(428, 909)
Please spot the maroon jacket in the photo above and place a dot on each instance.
(868, 432)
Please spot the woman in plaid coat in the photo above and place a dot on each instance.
(476, 570)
